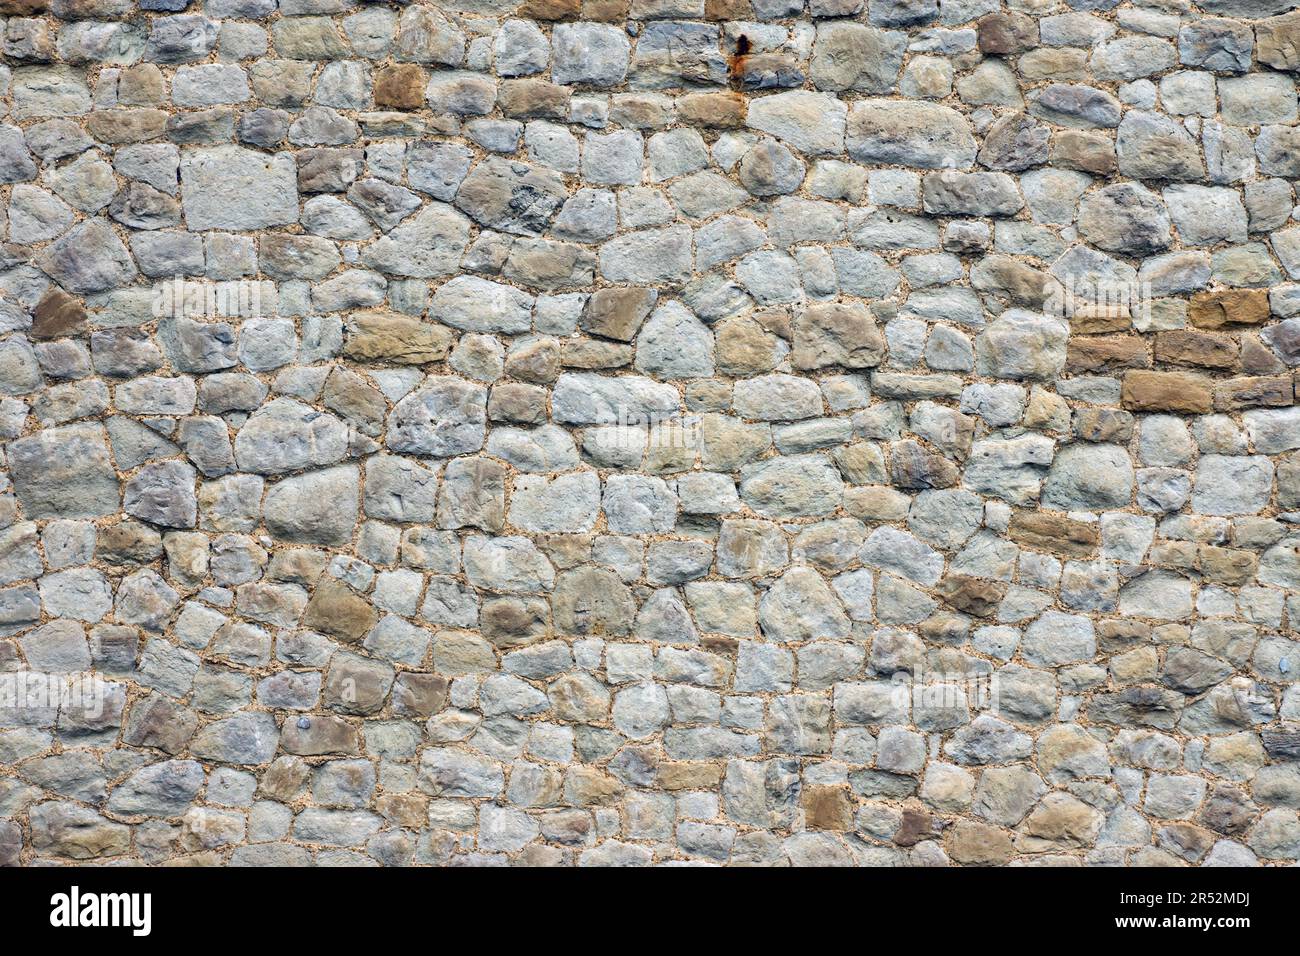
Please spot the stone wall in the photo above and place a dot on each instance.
(718, 431)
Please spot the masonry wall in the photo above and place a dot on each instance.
(722, 431)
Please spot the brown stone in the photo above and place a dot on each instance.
(641, 110)
(913, 466)
(1187, 840)
(284, 779)
(979, 844)
(534, 99)
(588, 787)
(917, 825)
(974, 596)
(1103, 425)
(1181, 555)
(57, 314)
(408, 810)
(728, 10)
(1145, 391)
(1060, 821)
(689, 775)
(1278, 41)
(1055, 532)
(720, 644)
(22, 8)
(389, 337)
(513, 621)
(1116, 635)
(827, 808)
(140, 85)
(617, 313)
(1229, 566)
(1094, 319)
(1106, 353)
(1002, 34)
(605, 11)
(1085, 151)
(158, 721)
(1021, 283)
(1257, 358)
(324, 734)
(419, 695)
(1252, 391)
(338, 610)
(716, 110)
(126, 543)
(1204, 349)
(126, 126)
(536, 361)
(1213, 310)
(518, 403)
(594, 353)
(400, 86)
(550, 9)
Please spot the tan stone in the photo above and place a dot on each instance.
(338, 610)
(1000, 34)
(689, 775)
(549, 9)
(1229, 566)
(284, 779)
(57, 314)
(140, 85)
(388, 337)
(718, 110)
(407, 810)
(827, 808)
(1086, 151)
(595, 354)
(1277, 41)
(728, 10)
(1253, 391)
(974, 596)
(126, 126)
(1103, 425)
(323, 734)
(534, 99)
(1106, 353)
(979, 844)
(1136, 666)
(1099, 319)
(1055, 532)
(617, 313)
(745, 348)
(1145, 391)
(1059, 64)
(1204, 349)
(589, 787)
(400, 86)
(1059, 822)
(837, 334)
(1213, 310)
(1046, 411)
(605, 11)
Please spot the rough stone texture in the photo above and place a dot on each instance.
(586, 434)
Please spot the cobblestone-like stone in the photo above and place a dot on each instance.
(590, 434)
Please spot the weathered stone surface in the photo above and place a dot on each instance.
(607, 433)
